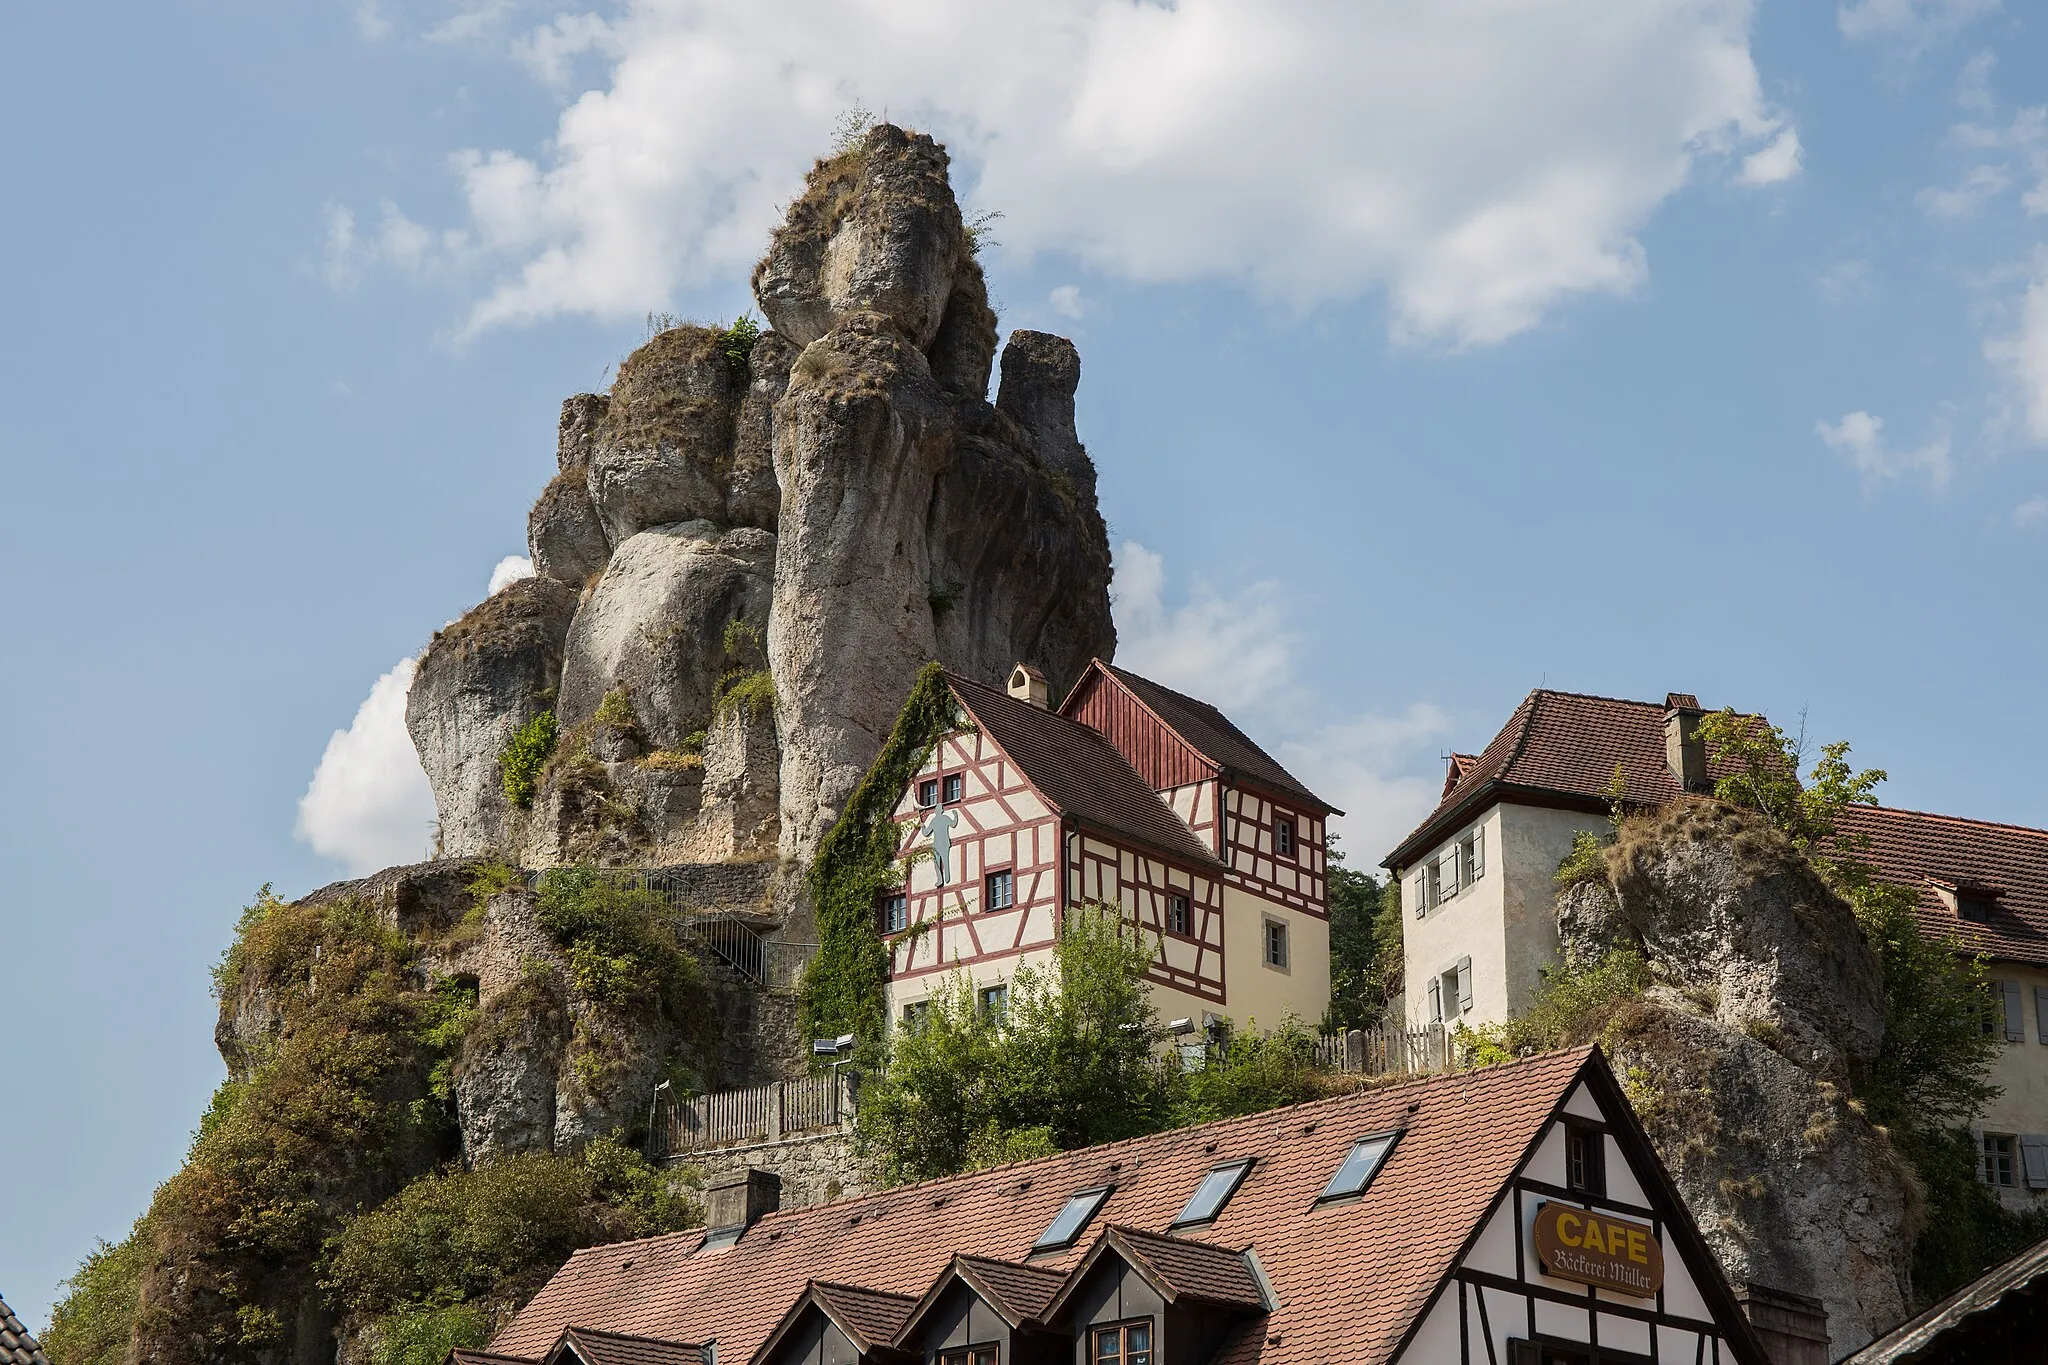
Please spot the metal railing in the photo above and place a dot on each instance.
(1387, 1051)
(740, 945)
(762, 1113)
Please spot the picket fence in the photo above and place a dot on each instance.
(761, 1113)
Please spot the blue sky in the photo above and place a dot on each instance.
(1429, 356)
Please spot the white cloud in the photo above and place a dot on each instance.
(2032, 512)
(548, 50)
(1237, 651)
(371, 25)
(1859, 439)
(368, 805)
(1480, 164)
(1913, 24)
(1973, 83)
(509, 570)
(397, 243)
(1980, 185)
(2023, 353)
(1065, 300)
(1772, 164)
(1842, 280)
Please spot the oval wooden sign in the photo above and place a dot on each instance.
(1599, 1249)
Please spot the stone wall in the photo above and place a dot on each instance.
(814, 1168)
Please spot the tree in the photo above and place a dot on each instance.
(1357, 976)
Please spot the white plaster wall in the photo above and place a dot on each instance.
(1467, 925)
(2022, 1070)
(1534, 840)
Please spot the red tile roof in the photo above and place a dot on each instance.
(598, 1347)
(1349, 1277)
(2007, 864)
(1019, 1292)
(1210, 733)
(1562, 748)
(1182, 1267)
(871, 1315)
(1079, 772)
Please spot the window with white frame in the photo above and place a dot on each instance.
(1460, 865)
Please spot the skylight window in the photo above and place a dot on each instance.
(1071, 1220)
(1367, 1155)
(1214, 1191)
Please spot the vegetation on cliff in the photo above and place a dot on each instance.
(1365, 944)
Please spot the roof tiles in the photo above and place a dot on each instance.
(2007, 864)
(1212, 734)
(17, 1347)
(1349, 1277)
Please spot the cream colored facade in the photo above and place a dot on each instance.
(1486, 944)
(2021, 1072)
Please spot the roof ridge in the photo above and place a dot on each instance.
(1953, 819)
(1595, 696)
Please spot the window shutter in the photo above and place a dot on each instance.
(2034, 1159)
(2015, 1025)
(2041, 1011)
(1478, 853)
(1436, 1001)
(1421, 896)
(1464, 984)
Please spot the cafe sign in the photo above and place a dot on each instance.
(1599, 1249)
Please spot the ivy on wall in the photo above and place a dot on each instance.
(845, 987)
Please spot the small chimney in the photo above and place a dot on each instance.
(1027, 685)
(1683, 748)
(1792, 1329)
(735, 1201)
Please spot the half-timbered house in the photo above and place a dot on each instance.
(1129, 794)
(1511, 1216)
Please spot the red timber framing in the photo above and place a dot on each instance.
(1002, 822)
(1195, 785)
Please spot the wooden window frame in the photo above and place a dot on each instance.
(1286, 831)
(1592, 1138)
(1123, 1355)
(2010, 1156)
(988, 889)
(982, 994)
(1187, 908)
(981, 1353)
(956, 783)
(890, 899)
(931, 783)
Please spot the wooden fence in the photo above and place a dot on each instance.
(763, 1113)
(1387, 1051)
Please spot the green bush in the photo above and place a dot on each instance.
(620, 939)
(1249, 1073)
(738, 342)
(425, 1336)
(1573, 1005)
(91, 1323)
(753, 693)
(1358, 971)
(526, 751)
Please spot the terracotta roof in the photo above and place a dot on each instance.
(1079, 772)
(1921, 1336)
(598, 1347)
(870, 1315)
(1349, 1277)
(1019, 1292)
(1181, 1267)
(1212, 735)
(17, 1347)
(1561, 746)
(2006, 865)
(465, 1357)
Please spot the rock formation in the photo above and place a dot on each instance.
(839, 487)
(1764, 1002)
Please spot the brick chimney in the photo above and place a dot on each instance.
(1684, 751)
(735, 1201)
(1028, 685)
(1792, 1329)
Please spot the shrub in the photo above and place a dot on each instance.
(425, 1336)
(524, 754)
(1573, 1005)
(753, 693)
(619, 939)
(1252, 1072)
(1357, 972)
(90, 1325)
(1586, 863)
(738, 342)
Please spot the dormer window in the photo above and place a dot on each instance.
(1213, 1193)
(1066, 1228)
(1973, 904)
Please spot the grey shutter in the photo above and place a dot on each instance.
(2034, 1159)
(2041, 1011)
(1478, 853)
(1464, 984)
(1436, 1001)
(1422, 895)
(2015, 1025)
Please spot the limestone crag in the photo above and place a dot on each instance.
(1764, 1001)
(803, 518)
(477, 682)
